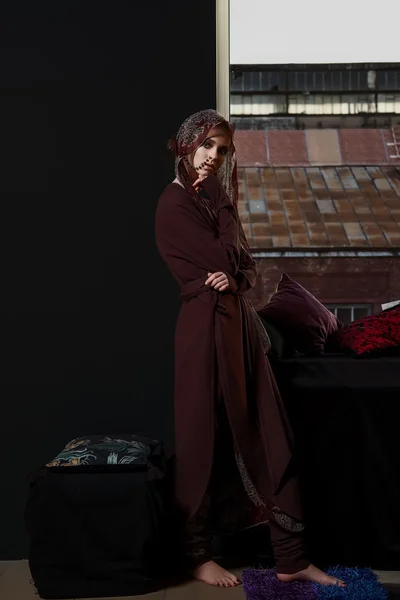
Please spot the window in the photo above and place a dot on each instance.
(320, 206)
(313, 91)
(389, 80)
(389, 103)
(257, 104)
(300, 104)
(350, 312)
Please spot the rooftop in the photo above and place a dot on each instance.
(318, 147)
(320, 188)
(320, 207)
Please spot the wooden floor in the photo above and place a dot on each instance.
(15, 585)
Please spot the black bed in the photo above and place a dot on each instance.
(345, 416)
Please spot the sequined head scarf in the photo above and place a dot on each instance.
(192, 133)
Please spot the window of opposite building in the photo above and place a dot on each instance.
(347, 313)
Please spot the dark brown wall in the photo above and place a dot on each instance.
(333, 280)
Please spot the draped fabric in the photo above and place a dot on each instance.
(219, 350)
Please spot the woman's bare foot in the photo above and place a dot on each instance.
(311, 574)
(213, 574)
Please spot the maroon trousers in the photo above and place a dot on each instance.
(227, 507)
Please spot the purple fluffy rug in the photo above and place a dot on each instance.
(362, 584)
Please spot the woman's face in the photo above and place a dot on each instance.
(212, 153)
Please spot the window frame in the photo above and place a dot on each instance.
(223, 57)
(352, 306)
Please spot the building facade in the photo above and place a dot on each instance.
(320, 180)
(315, 96)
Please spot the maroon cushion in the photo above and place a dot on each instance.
(376, 334)
(300, 316)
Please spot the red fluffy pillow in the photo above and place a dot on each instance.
(300, 317)
(376, 334)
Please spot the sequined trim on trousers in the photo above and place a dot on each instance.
(286, 522)
(248, 484)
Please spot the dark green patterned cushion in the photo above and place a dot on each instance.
(102, 450)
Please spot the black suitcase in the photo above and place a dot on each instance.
(97, 517)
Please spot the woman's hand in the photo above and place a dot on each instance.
(221, 282)
(198, 182)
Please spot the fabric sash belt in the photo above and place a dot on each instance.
(195, 288)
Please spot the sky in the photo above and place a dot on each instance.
(314, 31)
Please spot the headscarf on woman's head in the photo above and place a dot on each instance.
(192, 133)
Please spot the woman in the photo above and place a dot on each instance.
(234, 465)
